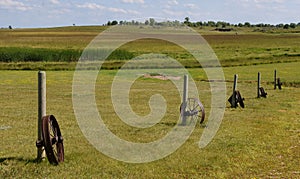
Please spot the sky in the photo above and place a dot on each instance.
(53, 13)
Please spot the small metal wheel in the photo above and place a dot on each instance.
(192, 110)
(53, 140)
(239, 99)
(279, 83)
(262, 92)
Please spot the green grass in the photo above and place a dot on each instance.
(18, 54)
(260, 141)
(65, 44)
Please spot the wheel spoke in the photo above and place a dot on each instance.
(54, 150)
(193, 110)
(196, 107)
(192, 103)
(53, 141)
(55, 153)
(52, 128)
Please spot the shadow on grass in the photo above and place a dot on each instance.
(18, 159)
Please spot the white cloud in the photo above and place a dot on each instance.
(94, 6)
(54, 1)
(133, 12)
(173, 2)
(269, 1)
(133, 1)
(117, 10)
(261, 1)
(190, 5)
(12, 4)
(259, 4)
(60, 11)
(173, 13)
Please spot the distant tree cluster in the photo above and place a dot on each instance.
(150, 22)
(218, 24)
(221, 24)
(109, 23)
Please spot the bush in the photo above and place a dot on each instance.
(120, 54)
(17, 54)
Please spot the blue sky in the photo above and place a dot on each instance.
(50, 13)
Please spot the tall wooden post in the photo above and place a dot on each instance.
(233, 99)
(41, 110)
(275, 78)
(258, 85)
(185, 97)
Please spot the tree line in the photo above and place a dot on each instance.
(217, 24)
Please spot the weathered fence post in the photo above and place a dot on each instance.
(41, 110)
(275, 78)
(258, 85)
(184, 97)
(233, 99)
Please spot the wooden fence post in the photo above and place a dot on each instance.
(233, 99)
(185, 97)
(258, 85)
(275, 78)
(41, 110)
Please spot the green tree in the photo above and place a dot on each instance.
(280, 25)
(293, 25)
(247, 24)
(114, 23)
(176, 23)
(211, 23)
(286, 26)
(221, 24)
(188, 23)
(186, 20)
(152, 21)
(199, 24)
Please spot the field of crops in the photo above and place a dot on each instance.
(260, 141)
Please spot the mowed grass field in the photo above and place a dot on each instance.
(260, 141)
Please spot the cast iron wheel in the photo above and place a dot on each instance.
(233, 102)
(53, 140)
(279, 83)
(239, 99)
(193, 110)
(263, 92)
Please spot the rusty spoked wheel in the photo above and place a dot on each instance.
(262, 92)
(53, 140)
(239, 99)
(192, 110)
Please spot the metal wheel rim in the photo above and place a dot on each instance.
(53, 140)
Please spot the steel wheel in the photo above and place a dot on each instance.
(53, 140)
(263, 92)
(239, 99)
(192, 110)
